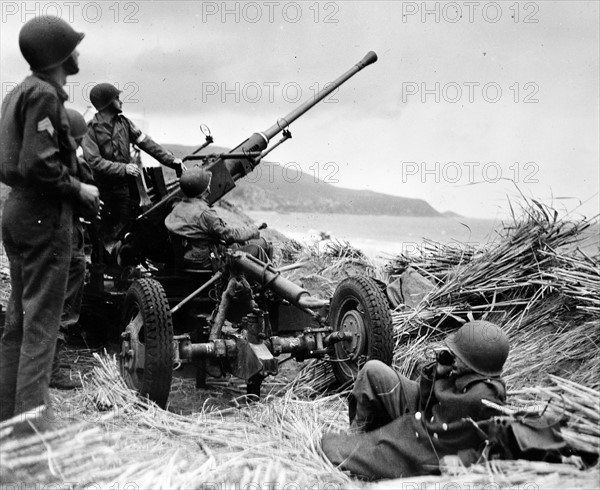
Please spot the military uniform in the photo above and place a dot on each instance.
(107, 149)
(74, 292)
(204, 231)
(411, 424)
(37, 157)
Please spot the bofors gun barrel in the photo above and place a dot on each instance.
(267, 276)
(225, 171)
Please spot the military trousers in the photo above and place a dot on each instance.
(74, 291)
(37, 235)
(379, 396)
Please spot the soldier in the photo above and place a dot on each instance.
(204, 232)
(402, 428)
(74, 295)
(107, 149)
(37, 161)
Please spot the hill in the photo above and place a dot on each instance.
(272, 187)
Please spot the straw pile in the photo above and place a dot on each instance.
(533, 280)
(109, 437)
(537, 283)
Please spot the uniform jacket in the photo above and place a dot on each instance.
(107, 148)
(203, 230)
(413, 443)
(84, 174)
(36, 148)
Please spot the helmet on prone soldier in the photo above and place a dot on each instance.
(47, 41)
(195, 181)
(481, 345)
(103, 94)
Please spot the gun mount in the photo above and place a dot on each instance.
(239, 317)
(146, 238)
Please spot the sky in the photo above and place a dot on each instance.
(470, 104)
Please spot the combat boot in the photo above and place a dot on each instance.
(59, 379)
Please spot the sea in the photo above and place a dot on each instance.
(379, 236)
(387, 236)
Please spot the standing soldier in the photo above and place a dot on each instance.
(107, 148)
(74, 294)
(37, 161)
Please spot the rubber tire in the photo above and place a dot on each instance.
(148, 297)
(363, 295)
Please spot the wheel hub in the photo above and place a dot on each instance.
(133, 351)
(353, 323)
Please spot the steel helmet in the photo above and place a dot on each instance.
(481, 345)
(103, 94)
(195, 181)
(77, 123)
(47, 41)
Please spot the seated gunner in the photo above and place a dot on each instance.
(203, 231)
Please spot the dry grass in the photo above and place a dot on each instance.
(135, 441)
(532, 280)
(276, 440)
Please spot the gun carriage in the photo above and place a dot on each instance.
(239, 316)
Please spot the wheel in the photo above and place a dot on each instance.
(360, 307)
(146, 359)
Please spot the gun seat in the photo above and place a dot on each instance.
(179, 263)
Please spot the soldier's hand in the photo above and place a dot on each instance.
(179, 167)
(132, 169)
(90, 200)
(89, 192)
(442, 370)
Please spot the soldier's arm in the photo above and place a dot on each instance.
(221, 231)
(40, 160)
(426, 380)
(151, 147)
(473, 406)
(84, 171)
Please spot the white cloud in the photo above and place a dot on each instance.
(187, 62)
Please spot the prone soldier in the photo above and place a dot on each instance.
(402, 428)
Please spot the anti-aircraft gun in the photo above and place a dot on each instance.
(241, 315)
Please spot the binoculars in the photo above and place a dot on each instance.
(445, 357)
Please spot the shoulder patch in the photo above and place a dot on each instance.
(45, 125)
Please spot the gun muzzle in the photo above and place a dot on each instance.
(226, 171)
(369, 59)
